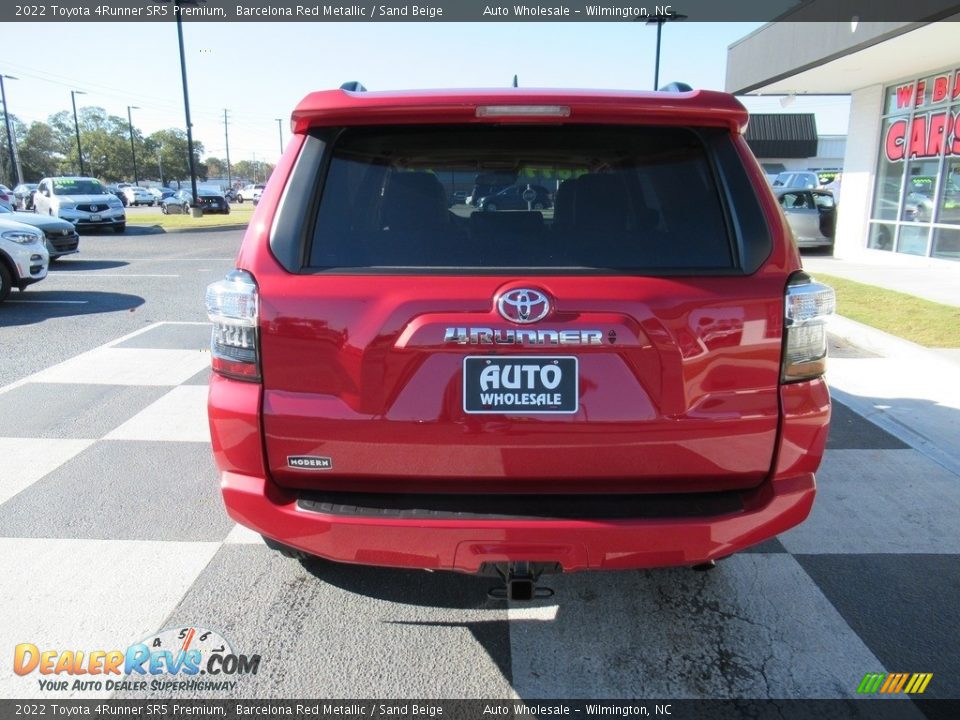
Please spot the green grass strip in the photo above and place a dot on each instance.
(921, 321)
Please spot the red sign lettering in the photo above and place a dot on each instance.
(956, 86)
(955, 146)
(918, 137)
(938, 134)
(894, 142)
(904, 96)
(940, 87)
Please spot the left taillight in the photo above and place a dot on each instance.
(808, 306)
(233, 306)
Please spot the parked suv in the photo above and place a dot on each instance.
(23, 256)
(633, 380)
(797, 179)
(250, 192)
(84, 201)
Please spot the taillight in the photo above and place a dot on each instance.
(233, 308)
(808, 305)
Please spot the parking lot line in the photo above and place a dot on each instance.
(108, 275)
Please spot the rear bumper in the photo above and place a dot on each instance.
(776, 505)
(772, 508)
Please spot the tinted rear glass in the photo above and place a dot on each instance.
(617, 198)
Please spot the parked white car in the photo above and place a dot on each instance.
(23, 257)
(83, 201)
(138, 196)
(250, 192)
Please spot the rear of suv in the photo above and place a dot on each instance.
(630, 378)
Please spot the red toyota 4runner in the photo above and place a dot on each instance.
(625, 374)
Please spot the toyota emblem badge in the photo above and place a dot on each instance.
(523, 305)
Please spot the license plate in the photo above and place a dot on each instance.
(94, 218)
(520, 385)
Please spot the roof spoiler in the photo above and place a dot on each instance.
(675, 87)
(353, 86)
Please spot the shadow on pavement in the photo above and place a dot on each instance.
(411, 587)
(27, 308)
(70, 265)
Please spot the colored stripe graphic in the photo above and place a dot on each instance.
(871, 682)
(894, 683)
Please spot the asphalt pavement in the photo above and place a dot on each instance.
(112, 530)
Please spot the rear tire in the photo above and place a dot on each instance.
(240, 199)
(5, 282)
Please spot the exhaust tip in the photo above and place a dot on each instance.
(703, 567)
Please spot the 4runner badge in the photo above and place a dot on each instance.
(309, 462)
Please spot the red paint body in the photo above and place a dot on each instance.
(355, 368)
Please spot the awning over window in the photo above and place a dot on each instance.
(782, 135)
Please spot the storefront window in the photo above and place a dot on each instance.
(886, 199)
(949, 210)
(913, 240)
(881, 236)
(918, 170)
(946, 244)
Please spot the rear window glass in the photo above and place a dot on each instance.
(490, 198)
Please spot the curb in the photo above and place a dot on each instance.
(880, 342)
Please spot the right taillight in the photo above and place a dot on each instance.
(808, 305)
(233, 308)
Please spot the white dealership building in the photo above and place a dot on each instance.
(900, 191)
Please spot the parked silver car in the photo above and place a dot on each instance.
(812, 215)
(60, 236)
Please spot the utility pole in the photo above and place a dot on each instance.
(160, 164)
(76, 125)
(133, 151)
(659, 20)
(280, 128)
(226, 139)
(186, 101)
(255, 176)
(14, 160)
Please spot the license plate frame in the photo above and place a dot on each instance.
(567, 388)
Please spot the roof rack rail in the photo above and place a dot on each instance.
(353, 86)
(675, 87)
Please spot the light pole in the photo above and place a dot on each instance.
(133, 151)
(160, 164)
(9, 124)
(186, 100)
(280, 128)
(76, 125)
(226, 139)
(659, 20)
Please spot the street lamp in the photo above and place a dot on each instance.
(186, 95)
(133, 151)
(658, 20)
(280, 128)
(9, 124)
(76, 125)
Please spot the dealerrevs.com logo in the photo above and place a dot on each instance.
(175, 659)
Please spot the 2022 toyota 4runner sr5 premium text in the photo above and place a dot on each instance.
(628, 378)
